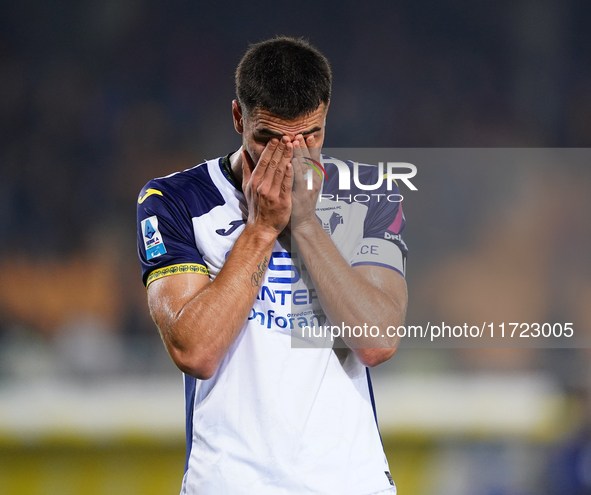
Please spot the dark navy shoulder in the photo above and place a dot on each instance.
(192, 189)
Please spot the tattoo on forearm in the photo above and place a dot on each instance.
(259, 273)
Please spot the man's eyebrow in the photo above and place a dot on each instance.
(312, 131)
(269, 132)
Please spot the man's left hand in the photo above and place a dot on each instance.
(303, 202)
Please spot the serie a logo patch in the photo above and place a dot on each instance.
(152, 238)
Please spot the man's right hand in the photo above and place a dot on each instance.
(267, 186)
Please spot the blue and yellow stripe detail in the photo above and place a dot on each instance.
(175, 269)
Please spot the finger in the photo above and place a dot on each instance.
(298, 145)
(312, 148)
(261, 167)
(299, 168)
(282, 165)
(309, 165)
(286, 185)
(303, 147)
(314, 159)
(305, 153)
(274, 162)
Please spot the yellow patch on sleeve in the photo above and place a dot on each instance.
(149, 192)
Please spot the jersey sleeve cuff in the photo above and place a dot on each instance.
(380, 252)
(175, 269)
(374, 263)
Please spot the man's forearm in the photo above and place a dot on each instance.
(347, 297)
(204, 328)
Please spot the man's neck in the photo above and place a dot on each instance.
(236, 164)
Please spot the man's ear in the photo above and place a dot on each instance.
(237, 116)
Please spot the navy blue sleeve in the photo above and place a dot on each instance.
(383, 225)
(385, 219)
(165, 238)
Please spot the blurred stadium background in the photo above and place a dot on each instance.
(97, 97)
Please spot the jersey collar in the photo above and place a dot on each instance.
(226, 169)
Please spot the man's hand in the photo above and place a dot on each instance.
(267, 186)
(304, 200)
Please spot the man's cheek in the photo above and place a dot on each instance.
(256, 150)
(254, 156)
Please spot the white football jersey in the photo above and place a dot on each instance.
(274, 418)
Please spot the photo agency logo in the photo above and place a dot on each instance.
(394, 171)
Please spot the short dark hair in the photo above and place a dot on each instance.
(285, 76)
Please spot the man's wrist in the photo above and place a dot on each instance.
(259, 235)
(307, 230)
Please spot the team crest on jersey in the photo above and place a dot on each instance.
(334, 220)
(152, 238)
(331, 223)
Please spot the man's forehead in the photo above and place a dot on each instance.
(266, 122)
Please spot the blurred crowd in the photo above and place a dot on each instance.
(97, 97)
